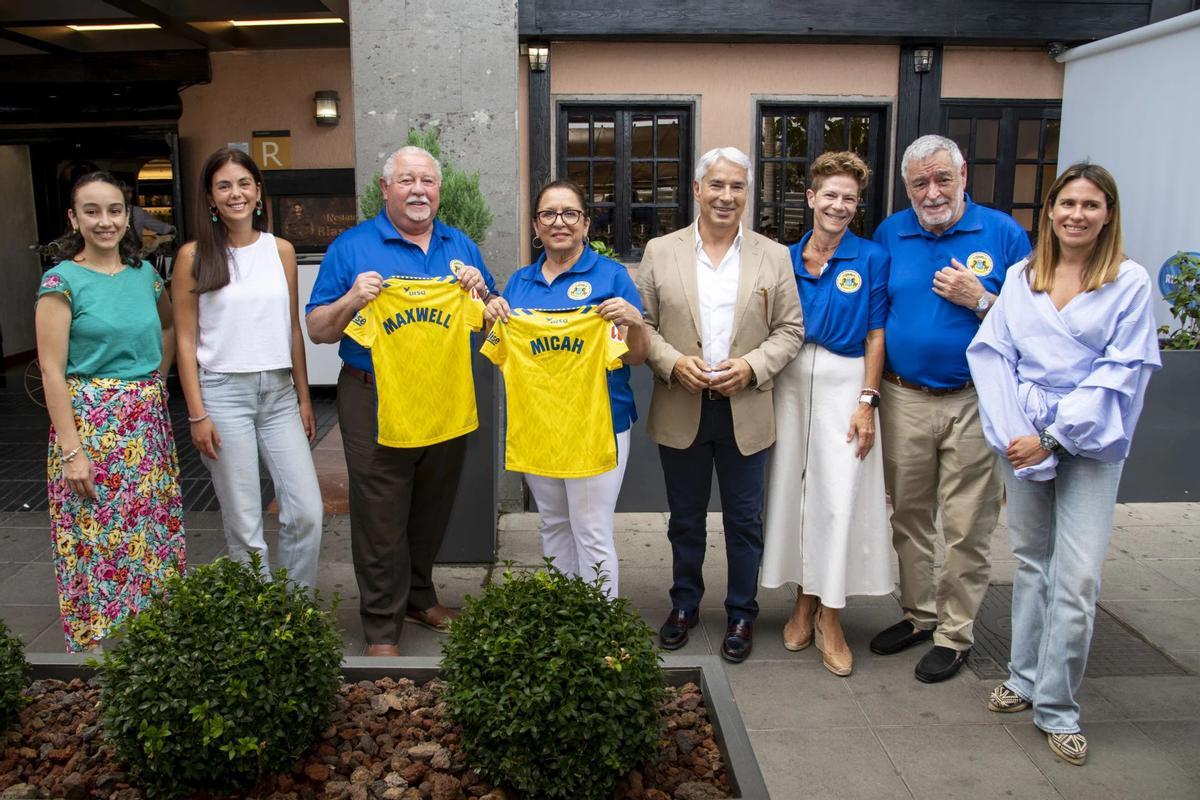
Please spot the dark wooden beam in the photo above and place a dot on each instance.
(37, 44)
(170, 66)
(939, 21)
(173, 25)
(539, 131)
(918, 109)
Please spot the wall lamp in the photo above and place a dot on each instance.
(922, 59)
(539, 57)
(325, 109)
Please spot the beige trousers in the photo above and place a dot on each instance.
(936, 459)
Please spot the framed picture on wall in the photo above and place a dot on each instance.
(310, 207)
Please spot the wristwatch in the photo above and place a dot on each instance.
(985, 302)
(870, 399)
(1049, 443)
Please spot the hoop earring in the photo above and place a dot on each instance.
(537, 243)
(258, 209)
(213, 211)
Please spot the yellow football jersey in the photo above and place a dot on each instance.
(418, 332)
(554, 365)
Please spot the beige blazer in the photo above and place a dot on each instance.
(767, 331)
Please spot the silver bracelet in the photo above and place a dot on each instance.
(69, 457)
(200, 418)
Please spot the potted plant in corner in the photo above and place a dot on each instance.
(1161, 465)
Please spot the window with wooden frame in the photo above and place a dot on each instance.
(633, 162)
(1011, 148)
(789, 137)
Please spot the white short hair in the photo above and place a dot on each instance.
(389, 166)
(730, 154)
(926, 146)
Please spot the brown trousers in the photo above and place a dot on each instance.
(400, 504)
(936, 459)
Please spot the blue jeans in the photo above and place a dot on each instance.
(257, 416)
(741, 481)
(1059, 531)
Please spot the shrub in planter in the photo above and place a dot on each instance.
(556, 687)
(14, 673)
(230, 675)
(1184, 299)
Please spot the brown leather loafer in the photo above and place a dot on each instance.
(437, 618)
(383, 649)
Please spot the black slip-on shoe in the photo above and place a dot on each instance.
(739, 641)
(674, 632)
(940, 663)
(900, 636)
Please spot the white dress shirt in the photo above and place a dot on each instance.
(717, 289)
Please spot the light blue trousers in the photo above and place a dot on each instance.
(256, 414)
(1059, 531)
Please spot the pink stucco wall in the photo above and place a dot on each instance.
(1001, 73)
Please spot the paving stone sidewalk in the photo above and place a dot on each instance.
(877, 734)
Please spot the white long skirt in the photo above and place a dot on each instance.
(826, 521)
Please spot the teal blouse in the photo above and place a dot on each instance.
(115, 329)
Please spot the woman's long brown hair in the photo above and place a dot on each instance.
(211, 264)
(1108, 254)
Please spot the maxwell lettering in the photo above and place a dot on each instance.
(433, 316)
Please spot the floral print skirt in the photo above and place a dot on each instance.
(111, 553)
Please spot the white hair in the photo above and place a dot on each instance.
(389, 166)
(926, 146)
(730, 154)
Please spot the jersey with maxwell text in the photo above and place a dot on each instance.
(554, 365)
(418, 332)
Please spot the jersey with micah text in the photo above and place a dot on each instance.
(554, 365)
(418, 332)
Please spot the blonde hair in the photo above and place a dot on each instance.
(842, 162)
(1105, 262)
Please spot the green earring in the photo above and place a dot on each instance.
(258, 209)
(213, 210)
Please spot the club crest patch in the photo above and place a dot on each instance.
(980, 263)
(579, 290)
(457, 266)
(848, 281)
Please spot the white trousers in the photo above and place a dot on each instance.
(257, 416)
(577, 519)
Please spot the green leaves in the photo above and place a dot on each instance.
(555, 686)
(14, 671)
(1184, 299)
(204, 692)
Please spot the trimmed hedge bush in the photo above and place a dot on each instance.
(14, 674)
(229, 676)
(555, 686)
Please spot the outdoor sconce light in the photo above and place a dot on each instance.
(922, 59)
(326, 108)
(539, 57)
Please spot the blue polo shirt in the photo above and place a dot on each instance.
(847, 299)
(927, 336)
(376, 245)
(592, 280)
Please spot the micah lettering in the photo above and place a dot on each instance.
(544, 343)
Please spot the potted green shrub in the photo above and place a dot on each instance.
(14, 672)
(1161, 464)
(556, 687)
(231, 676)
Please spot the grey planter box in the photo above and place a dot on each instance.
(1162, 465)
(745, 778)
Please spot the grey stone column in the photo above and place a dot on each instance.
(450, 64)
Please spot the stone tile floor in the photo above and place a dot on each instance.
(877, 734)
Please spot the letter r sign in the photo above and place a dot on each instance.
(272, 149)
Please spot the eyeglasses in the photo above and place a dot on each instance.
(569, 217)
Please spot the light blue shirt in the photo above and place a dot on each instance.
(1079, 372)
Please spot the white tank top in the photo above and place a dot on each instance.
(246, 325)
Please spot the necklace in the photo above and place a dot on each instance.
(109, 273)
